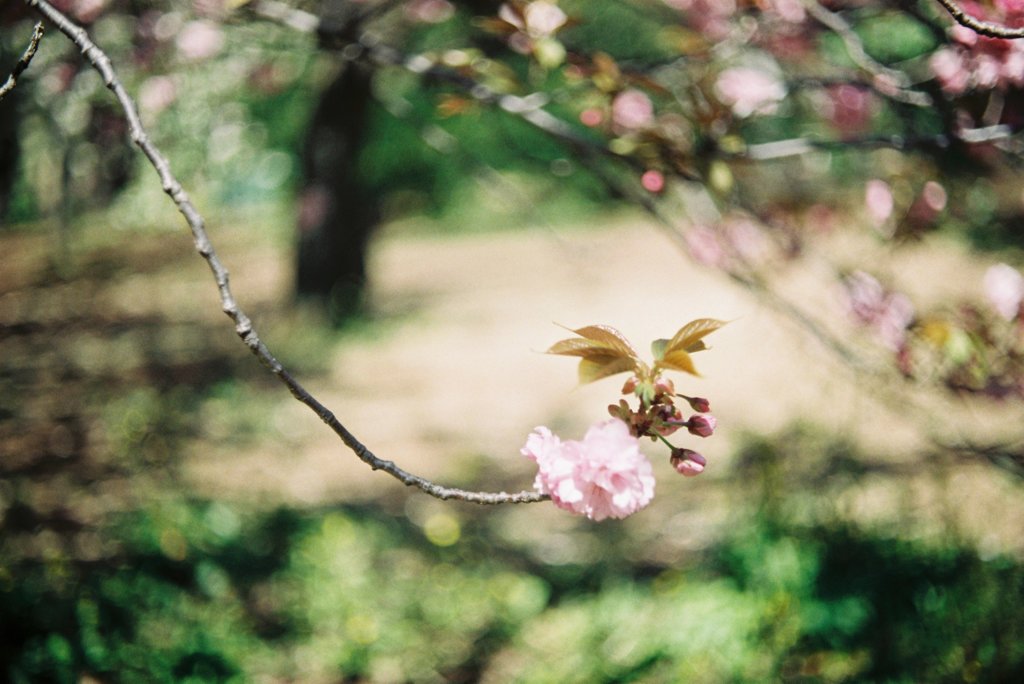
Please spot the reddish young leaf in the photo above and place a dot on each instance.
(674, 354)
(578, 346)
(603, 351)
(678, 360)
(608, 336)
(689, 336)
(597, 367)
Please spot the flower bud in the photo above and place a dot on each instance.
(630, 385)
(687, 462)
(702, 425)
(698, 404)
(664, 386)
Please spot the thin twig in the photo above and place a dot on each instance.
(984, 28)
(243, 326)
(26, 59)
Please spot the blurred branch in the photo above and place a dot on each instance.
(26, 59)
(1007, 456)
(590, 153)
(243, 326)
(779, 149)
(891, 82)
(984, 28)
(368, 46)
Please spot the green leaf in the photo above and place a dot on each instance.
(598, 367)
(658, 348)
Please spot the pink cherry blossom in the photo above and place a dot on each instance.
(973, 61)
(602, 476)
(889, 314)
(632, 109)
(653, 181)
(710, 18)
(429, 11)
(536, 21)
(1004, 289)
(789, 10)
(200, 39)
(704, 246)
(746, 239)
(591, 117)
(749, 91)
(85, 11)
(950, 67)
(879, 200)
(156, 94)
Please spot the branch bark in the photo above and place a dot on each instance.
(243, 325)
(24, 61)
(984, 28)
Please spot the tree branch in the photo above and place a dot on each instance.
(26, 59)
(243, 326)
(984, 28)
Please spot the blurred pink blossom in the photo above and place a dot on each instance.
(1004, 289)
(602, 476)
(591, 117)
(879, 201)
(749, 91)
(974, 61)
(85, 11)
(537, 20)
(653, 181)
(710, 18)
(632, 109)
(934, 195)
(429, 11)
(212, 8)
(156, 94)
(950, 67)
(688, 462)
(848, 108)
(789, 10)
(200, 39)
(889, 314)
(704, 246)
(746, 238)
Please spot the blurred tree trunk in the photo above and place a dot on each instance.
(337, 209)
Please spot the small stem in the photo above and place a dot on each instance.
(663, 439)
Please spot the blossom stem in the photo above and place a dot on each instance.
(667, 443)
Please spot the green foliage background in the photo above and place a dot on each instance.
(202, 591)
(180, 589)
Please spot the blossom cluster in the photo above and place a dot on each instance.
(605, 475)
(887, 313)
(602, 476)
(970, 347)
